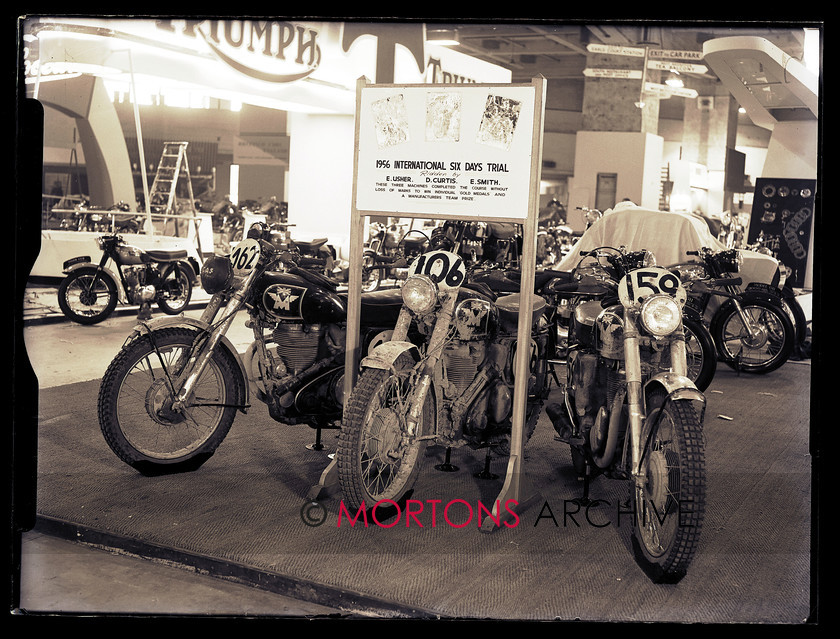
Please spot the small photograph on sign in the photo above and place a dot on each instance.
(499, 121)
(443, 117)
(390, 121)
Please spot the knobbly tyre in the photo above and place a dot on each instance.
(90, 292)
(627, 417)
(454, 388)
(170, 396)
(756, 329)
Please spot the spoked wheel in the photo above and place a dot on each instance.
(765, 347)
(175, 291)
(377, 459)
(87, 297)
(701, 355)
(670, 504)
(136, 412)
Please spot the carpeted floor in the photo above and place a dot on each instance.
(240, 517)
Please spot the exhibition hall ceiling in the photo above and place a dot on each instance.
(557, 51)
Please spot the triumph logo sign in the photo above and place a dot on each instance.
(267, 50)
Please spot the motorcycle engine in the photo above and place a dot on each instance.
(298, 344)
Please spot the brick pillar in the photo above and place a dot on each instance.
(609, 104)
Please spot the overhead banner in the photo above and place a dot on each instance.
(446, 151)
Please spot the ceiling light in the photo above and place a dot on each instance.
(675, 81)
(444, 37)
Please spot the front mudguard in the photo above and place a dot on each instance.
(676, 387)
(179, 320)
(385, 355)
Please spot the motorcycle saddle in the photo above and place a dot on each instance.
(502, 230)
(312, 246)
(167, 256)
(380, 308)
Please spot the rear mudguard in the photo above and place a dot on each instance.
(676, 387)
(386, 354)
(190, 322)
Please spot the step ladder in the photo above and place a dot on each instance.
(172, 168)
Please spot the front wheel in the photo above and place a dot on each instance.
(760, 348)
(174, 291)
(87, 296)
(377, 459)
(371, 276)
(670, 503)
(136, 412)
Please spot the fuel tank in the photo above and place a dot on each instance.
(285, 296)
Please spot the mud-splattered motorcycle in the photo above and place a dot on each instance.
(169, 397)
(454, 388)
(628, 417)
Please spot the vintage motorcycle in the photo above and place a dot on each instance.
(90, 292)
(628, 417)
(454, 388)
(388, 257)
(754, 329)
(169, 397)
(563, 291)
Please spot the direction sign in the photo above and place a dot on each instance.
(664, 91)
(674, 54)
(613, 49)
(626, 74)
(682, 67)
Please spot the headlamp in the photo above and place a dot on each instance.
(660, 315)
(420, 294)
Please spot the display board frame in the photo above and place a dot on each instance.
(506, 111)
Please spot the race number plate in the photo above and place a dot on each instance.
(640, 284)
(245, 256)
(443, 267)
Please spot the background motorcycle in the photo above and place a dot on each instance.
(454, 388)
(388, 255)
(90, 292)
(628, 417)
(170, 396)
(753, 329)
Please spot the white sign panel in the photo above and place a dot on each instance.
(673, 54)
(446, 150)
(682, 67)
(627, 74)
(664, 91)
(612, 49)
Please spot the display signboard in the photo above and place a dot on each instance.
(781, 221)
(446, 151)
(455, 151)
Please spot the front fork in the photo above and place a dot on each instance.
(434, 351)
(635, 385)
(198, 360)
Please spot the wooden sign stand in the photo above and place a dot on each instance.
(513, 497)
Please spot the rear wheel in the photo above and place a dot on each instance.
(670, 503)
(377, 458)
(701, 356)
(87, 297)
(136, 412)
(174, 291)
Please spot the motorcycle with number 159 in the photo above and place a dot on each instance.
(628, 416)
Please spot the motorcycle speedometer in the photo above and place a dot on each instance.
(420, 294)
(660, 315)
